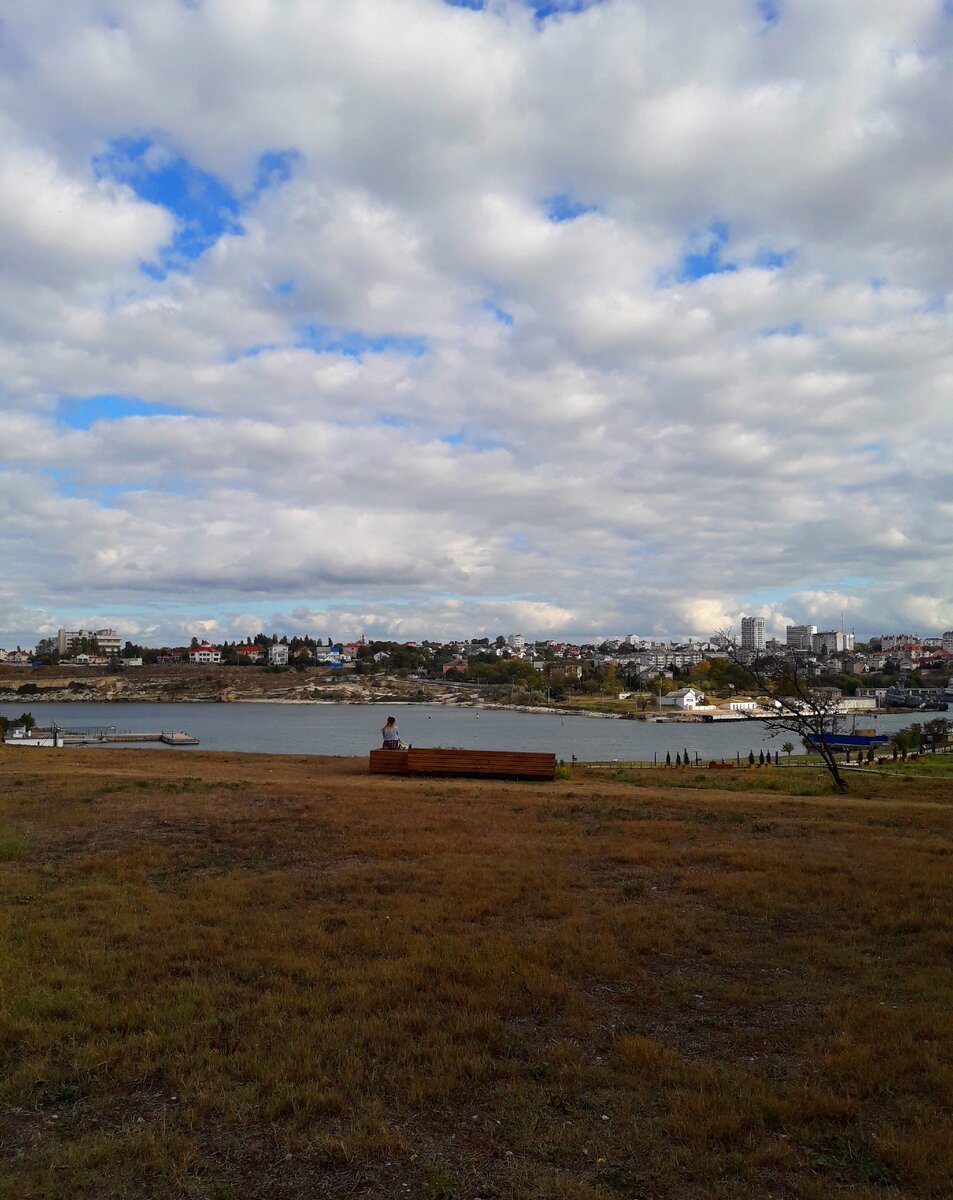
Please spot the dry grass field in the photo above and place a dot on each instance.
(227, 976)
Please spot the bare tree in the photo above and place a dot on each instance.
(797, 707)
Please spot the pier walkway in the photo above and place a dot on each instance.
(107, 737)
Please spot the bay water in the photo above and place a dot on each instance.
(354, 729)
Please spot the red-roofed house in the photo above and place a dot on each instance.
(204, 653)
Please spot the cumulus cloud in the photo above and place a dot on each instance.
(428, 319)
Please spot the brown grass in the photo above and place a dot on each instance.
(229, 975)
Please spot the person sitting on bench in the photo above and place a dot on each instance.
(390, 735)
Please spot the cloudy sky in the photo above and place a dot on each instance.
(418, 318)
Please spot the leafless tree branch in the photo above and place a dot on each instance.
(799, 708)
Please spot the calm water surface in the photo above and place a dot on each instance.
(353, 729)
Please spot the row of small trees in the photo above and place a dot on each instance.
(916, 737)
(25, 719)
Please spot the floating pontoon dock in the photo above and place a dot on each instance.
(95, 737)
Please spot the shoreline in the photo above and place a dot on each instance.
(650, 717)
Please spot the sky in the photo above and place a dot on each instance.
(424, 319)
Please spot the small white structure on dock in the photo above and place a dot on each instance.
(20, 736)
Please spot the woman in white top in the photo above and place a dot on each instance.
(390, 735)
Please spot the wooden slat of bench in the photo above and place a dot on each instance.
(513, 763)
(426, 761)
(517, 755)
(388, 762)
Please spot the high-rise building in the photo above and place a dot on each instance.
(752, 633)
(799, 636)
(830, 641)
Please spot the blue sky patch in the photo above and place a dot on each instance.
(113, 492)
(704, 254)
(463, 437)
(770, 11)
(65, 480)
(772, 260)
(255, 350)
(285, 288)
(498, 314)
(204, 207)
(555, 8)
(354, 343)
(80, 412)
(274, 169)
(876, 450)
(541, 9)
(563, 207)
(794, 329)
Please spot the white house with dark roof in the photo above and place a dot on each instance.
(684, 698)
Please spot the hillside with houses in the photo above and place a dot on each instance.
(628, 676)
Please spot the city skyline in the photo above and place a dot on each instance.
(422, 318)
(750, 637)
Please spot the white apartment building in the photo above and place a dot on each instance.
(832, 641)
(752, 633)
(516, 642)
(663, 659)
(278, 655)
(894, 641)
(107, 639)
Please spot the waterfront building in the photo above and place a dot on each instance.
(684, 698)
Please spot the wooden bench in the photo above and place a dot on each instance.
(491, 764)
